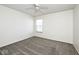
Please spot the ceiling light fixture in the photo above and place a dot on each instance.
(37, 7)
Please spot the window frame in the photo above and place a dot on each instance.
(36, 26)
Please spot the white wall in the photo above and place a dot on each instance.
(58, 26)
(76, 27)
(14, 26)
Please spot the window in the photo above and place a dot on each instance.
(39, 24)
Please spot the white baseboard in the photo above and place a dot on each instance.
(16, 41)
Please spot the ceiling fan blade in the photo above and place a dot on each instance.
(36, 5)
(32, 7)
(41, 11)
(29, 8)
(43, 7)
(37, 9)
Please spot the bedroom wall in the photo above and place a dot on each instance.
(14, 26)
(57, 26)
(76, 28)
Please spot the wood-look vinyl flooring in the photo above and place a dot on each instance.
(38, 46)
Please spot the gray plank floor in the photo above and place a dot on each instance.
(38, 46)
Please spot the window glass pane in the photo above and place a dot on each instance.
(39, 28)
(39, 23)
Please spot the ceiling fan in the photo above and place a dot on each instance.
(37, 8)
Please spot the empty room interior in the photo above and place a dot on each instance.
(39, 29)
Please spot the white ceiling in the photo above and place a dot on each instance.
(51, 8)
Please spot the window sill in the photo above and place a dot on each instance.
(39, 32)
